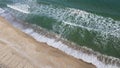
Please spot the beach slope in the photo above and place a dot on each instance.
(19, 50)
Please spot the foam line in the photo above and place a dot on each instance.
(20, 7)
(75, 17)
(79, 54)
(61, 46)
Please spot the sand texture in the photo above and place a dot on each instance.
(18, 50)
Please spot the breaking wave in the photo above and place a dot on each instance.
(54, 40)
(20, 7)
(88, 30)
(76, 17)
(100, 33)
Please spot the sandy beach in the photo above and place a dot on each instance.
(19, 50)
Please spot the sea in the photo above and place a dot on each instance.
(85, 29)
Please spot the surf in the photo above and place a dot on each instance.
(20, 7)
(2, 10)
(97, 36)
(54, 40)
(65, 20)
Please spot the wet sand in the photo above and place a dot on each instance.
(19, 50)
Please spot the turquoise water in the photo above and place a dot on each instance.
(94, 23)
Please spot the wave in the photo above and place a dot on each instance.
(54, 40)
(20, 7)
(2, 10)
(73, 17)
(105, 8)
(81, 18)
(102, 34)
(106, 32)
(79, 54)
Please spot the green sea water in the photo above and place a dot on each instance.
(91, 23)
(106, 8)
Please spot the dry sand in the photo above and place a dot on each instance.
(18, 50)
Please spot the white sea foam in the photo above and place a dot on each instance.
(20, 7)
(79, 18)
(1, 10)
(61, 46)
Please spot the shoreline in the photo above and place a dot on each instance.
(83, 53)
(37, 54)
(53, 40)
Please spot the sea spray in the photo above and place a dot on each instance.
(54, 40)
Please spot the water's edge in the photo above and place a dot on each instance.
(54, 40)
